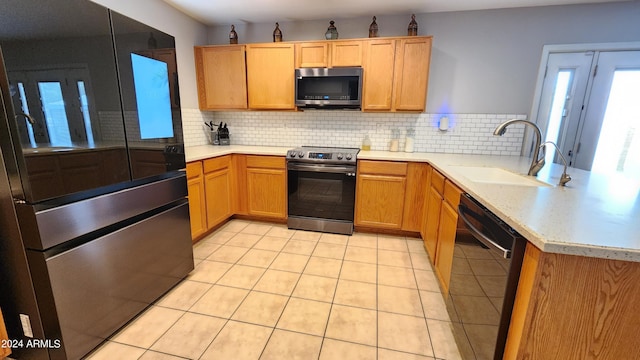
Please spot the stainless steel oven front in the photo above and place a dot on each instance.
(321, 197)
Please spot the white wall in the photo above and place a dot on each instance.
(187, 32)
(482, 61)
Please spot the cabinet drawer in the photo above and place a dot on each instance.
(382, 167)
(268, 162)
(437, 181)
(194, 169)
(216, 163)
(452, 194)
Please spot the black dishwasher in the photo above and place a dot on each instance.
(484, 278)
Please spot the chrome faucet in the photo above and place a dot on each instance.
(536, 163)
(564, 178)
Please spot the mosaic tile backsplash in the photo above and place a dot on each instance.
(467, 133)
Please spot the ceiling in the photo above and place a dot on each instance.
(260, 11)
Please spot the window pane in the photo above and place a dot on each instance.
(557, 110)
(84, 107)
(618, 147)
(25, 109)
(54, 113)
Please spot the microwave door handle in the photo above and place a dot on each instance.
(506, 253)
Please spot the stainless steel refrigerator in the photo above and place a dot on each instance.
(94, 219)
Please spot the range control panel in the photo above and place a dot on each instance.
(328, 155)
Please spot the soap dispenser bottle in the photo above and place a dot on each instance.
(366, 143)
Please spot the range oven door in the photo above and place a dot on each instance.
(321, 192)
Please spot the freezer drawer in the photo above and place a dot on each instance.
(99, 286)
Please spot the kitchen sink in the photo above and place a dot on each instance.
(494, 175)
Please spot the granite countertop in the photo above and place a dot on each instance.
(594, 215)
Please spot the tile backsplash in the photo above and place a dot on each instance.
(467, 133)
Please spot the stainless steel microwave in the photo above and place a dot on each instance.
(329, 88)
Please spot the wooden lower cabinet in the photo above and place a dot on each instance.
(218, 194)
(446, 242)
(380, 201)
(432, 222)
(4, 350)
(266, 186)
(197, 204)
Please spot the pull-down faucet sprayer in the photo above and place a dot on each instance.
(536, 164)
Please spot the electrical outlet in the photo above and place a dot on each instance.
(26, 325)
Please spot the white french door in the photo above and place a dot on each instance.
(589, 105)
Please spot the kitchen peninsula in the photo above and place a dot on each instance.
(582, 263)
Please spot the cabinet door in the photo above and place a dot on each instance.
(378, 79)
(4, 350)
(266, 192)
(197, 206)
(446, 242)
(346, 53)
(434, 204)
(270, 76)
(411, 74)
(414, 198)
(222, 77)
(380, 201)
(218, 196)
(314, 54)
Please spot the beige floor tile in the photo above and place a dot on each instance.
(396, 276)
(420, 261)
(394, 258)
(323, 267)
(305, 316)
(313, 287)
(277, 282)
(112, 350)
(334, 239)
(364, 240)
(361, 254)
(299, 247)
(258, 257)
(384, 354)
(219, 237)
(184, 295)
(261, 308)
(202, 250)
(404, 333)
(189, 336)
(352, 324)
(444, 344)
(228, 254)
(244, 240)
(390, 242)
(271, 243)
(355, 293)
(238, 341)
(306, 235)
(257, 228)
(433, 305)
(154, 355)
(209, 271)
(427, 280)
(281, 231)
(290, 262)
(399, 300)
(241, 276)
(359, 272)
(219, 301)
(415, 245)
(335, 349)
(328, 250)
(235, 225)
(291, 346)
(148, 327)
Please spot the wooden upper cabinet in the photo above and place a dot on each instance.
(312, 54)
(405, 87)
(346, 53)
(379, 57)
(270, 74)
(222, 77)
(412, 74)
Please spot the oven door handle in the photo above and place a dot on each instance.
(338, 169)
(462, 211)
